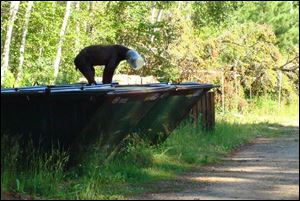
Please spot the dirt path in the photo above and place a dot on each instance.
(266, 169)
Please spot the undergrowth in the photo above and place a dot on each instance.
(27, 171)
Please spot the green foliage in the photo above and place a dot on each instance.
(39, 71)
(180, 41)
(251, 54)
(9, 79)
(213, 13)
(282, 16)
(249, 43)
(27, 169)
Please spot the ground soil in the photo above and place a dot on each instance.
(267, 168)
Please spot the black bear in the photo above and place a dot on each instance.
(110, 56)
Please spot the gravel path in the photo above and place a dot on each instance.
(266, 169)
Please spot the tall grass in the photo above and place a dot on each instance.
(25, 169)
(137, 163)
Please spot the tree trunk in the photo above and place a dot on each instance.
(158, 18)
(291, 7)
(280, 88)
(236, 96)
(41, 49)
(77, 28)
(179, 5)
(188, 6)
(88, 25)
(223, 91)
(159, 15)
(61, 39)
(250, 93)
(23, 41)
(14, 7)
(152, 15)
(152, 19)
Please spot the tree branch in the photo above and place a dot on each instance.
(288, 62)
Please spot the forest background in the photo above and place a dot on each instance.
(250, 48)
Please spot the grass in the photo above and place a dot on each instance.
(128, 172)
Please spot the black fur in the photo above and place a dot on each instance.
(110, 56)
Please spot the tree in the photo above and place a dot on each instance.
(61, 38)
(14, 6)
(77, 28)
(180, 41)
(283, 16)
(23, 42)
(213, 13)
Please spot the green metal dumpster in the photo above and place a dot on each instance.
(75, 115)
(49, 114)
(123, 108)
(170, 110)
